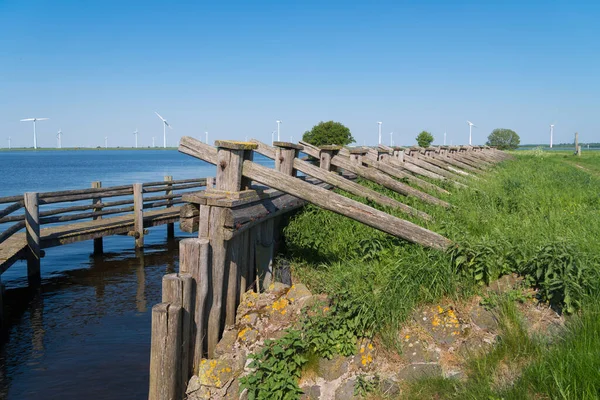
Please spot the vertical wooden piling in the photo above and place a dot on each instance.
(138, 214)
(194, 260)
(177, 290)
(32, 226)
(326, 154)
(210, 182)
(165, 373)
(168, 192)
(98, 242)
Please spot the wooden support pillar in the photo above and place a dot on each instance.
(357, 154)
(32, 226)
(165, 349)
(285, 153)
(98, 242)
(177, 290)
(168, 192)
(138, 214)
(194, 260)
(210, 182)
(326, 154)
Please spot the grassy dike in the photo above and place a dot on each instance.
(537, 215)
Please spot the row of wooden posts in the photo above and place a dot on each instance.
(238, 220)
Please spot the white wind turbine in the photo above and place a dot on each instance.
(471, 125)
(379, 123)
(9, 139)
(59, 139)
(551, 134)
(206, 137)
(165, 124)
(106, 142)
(391, 138)
(273, 137)
(135, 133)
(278, 123)
(34, 121)
(444, 136)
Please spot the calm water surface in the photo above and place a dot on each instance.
(86, 332)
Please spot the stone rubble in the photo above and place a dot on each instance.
(435, 343)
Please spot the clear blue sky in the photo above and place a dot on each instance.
(101, 68)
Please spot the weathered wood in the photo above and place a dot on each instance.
(210, 182)
(98, 243)
(32, 226)
(230, 156)
(285, 154)
(233, 264)
(138, 214)
(173, 187)
(10, 209)
(219, 256)
(11, 230)
(169, 192)
(165, 350)
(88, 196)
(338, 181)
(178, 290)
(332, 201)
(194, 260)
(265, 267)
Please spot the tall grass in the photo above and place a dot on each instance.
(537, 215)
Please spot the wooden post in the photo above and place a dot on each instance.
(326, 154)
(169, 191)
(138, 214)
(177, 290)
(165, 349)
(285, 153)
(98, 242)
(32, 225)
(194, 260)
(210, 182)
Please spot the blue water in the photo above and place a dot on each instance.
(86, 332)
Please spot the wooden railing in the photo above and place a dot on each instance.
(33, 210)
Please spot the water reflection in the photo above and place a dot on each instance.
(85, 333)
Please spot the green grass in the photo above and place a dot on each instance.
(537, 215)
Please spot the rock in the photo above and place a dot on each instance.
(193, 385)
(249, 319)
(311, 393)
(277, 287)
(473, 347)
(389, 388)
(216, 373)
(441, 323)
(247, 335)
(332, 369)
(505, 284)
(297, 292)
(226, 343)
(346, 390)
(233, 391)
(203, 393)
(483, 318)
(418, 371)
(416, 350)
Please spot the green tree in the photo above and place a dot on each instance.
(329, 132)
(424, 139)
(504, 139)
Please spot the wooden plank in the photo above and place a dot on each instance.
(164, 352)
(10, 209)
(219, 256)
(169, 192)
(344, 206)
(338, 181)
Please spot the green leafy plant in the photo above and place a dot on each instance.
(365, 385)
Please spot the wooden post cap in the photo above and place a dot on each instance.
(288, 145)
(234, 145)
(358, 150)
(330, 147)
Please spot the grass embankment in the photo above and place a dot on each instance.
(538, 216)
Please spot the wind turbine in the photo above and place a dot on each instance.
(444, 136)
(551, 134)
(471, 125)
(136, 135)
(391, 138)
(34, 121)
(206, 137)
(58, 138)
(165, 124)
(153, 142)
(106, 142)
(278, 123)
(9, 139)
(379, 123)
(272, 137)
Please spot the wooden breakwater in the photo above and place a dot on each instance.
(238, 224)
